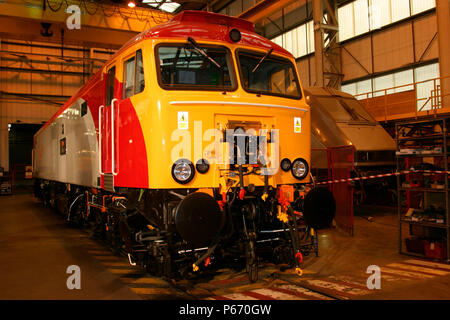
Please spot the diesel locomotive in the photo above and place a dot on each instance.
(190, 147)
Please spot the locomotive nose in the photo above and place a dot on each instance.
(198, 219)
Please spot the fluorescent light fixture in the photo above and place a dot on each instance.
(153, 3)
(168, 6)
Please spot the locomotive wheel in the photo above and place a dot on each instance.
(77, 215)
(96, 224)
(116, 241)
(161, 265)
(153, 266)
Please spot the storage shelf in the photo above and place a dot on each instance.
(426, 224)
(421, 255)
(422, 155)
(423, 189)
(431, 139)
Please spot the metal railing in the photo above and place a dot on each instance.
(422, 105)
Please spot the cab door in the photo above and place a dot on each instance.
(108, 130)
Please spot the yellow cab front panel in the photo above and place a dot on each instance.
(183, 123)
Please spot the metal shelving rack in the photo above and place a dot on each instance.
(420, 134)
(5, 184)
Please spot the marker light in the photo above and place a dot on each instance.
(285, 164)
(202, 166)
(235, 35)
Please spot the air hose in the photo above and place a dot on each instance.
(298, 257)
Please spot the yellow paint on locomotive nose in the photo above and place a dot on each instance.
(158, 111)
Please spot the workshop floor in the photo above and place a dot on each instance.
(37, 246)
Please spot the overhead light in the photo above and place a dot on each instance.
(131, 4)
(153, 3)
(168, 6)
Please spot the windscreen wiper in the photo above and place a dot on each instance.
(262, 59)
(202, 52)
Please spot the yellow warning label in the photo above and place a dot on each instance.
(297, 125)
(183, 120)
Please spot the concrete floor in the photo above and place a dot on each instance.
(36, 247)
(374, 242)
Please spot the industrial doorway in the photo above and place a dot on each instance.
(20, 159)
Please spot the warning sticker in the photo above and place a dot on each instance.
(183, 120)
(297, 125)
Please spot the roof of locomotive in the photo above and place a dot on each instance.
(200, 25)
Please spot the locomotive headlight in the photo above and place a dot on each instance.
(183, 171)
(300, 168)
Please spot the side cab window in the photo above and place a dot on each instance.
(83, 109)
(110, 78)
(133, 75)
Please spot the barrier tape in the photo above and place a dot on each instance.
(382, 176)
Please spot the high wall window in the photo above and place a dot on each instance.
(364, 88)
(424, 89)
(396, 79)
(358, 87)
(418, 6)
(355, 18)
(298, 41)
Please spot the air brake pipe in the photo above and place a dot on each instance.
(70, 208)
(204, 256)
(295, 241)
(241, 182)
(177, 195)
(266, 183)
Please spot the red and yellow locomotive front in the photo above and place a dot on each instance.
(185, 87)
(204, 132)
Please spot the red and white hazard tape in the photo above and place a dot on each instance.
(382, 176)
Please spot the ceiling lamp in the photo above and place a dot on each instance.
(164, 5)
(131, 4)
